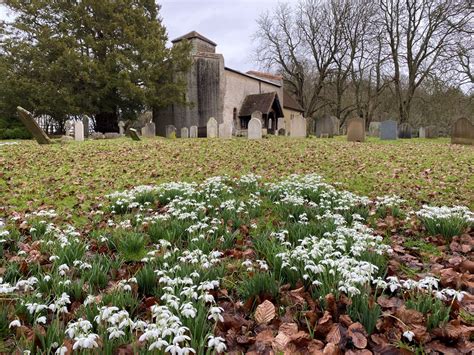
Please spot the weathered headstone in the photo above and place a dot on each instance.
(356, 130)
(170, 131)
(298, 127)
(462, 132)
(404, 131)
(32, 127)
(121, 125)
(225, 130)
(134, 134)
(281, 123)
(374, 129)
(422, 132)
(86, 123)
(254, 129)
(151, 129)
(79, 131)
(327, 125)
(69, 128)
(193, 132)
(184, 132)
(212, 128)
(431, 132)
(388, 130)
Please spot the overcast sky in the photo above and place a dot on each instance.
(229, 23)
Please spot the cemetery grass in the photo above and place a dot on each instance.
(76, 176)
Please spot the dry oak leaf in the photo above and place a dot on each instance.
(409, 316)
(392, 302)
(265, 312)
(454, 330)
(437, 346)
(358, 335)
(336, 335)
(331, 349)
(280, 342)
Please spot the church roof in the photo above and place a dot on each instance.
(194, 34)
(290, 103)
(262, 103)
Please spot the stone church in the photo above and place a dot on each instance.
(227, 95)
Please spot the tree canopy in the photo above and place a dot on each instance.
(107, 59)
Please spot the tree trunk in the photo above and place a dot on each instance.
(106, 122)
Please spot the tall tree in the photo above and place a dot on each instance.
(104, 58)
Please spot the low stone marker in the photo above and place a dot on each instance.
(327, 126)
(422, 132)
(404, 131)
(184, 132)
(356, 130)
(298, 127)
(462, 132)
(431, 132)
(211, 128)
(170, 131)
(79, 131)
(388, 130)
(193, 132)
(111, 135)
(27, 119)
(374, 129)
(134, 134)
(254, 130)
(121, 125)
(225, 131)
(97, 135)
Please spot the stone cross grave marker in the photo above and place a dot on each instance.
(388, 130)
(254, 129)
(356, 130)
(27, 119)
(212, 128)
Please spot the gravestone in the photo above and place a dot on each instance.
(374, 129)
(149, 130)
(404, 131)
(79, 131)
(388, 130)
(281, 123)
(211, 128)
(193, 132)
(184, 132)
(97, 135)
(69, 128)
(86, 123)
(27, 119)
(356, 130)
(257, 115)
(270, 121)
(170, 131)
(134, 134)
(431, 132)
(111, 135)
(327, 125)
(254, 130)
(422, 132)
(462, 132)
(121, 125)
(298, 127)
(225, 130)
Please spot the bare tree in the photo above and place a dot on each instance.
(421, 36)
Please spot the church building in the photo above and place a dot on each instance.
(228, 95)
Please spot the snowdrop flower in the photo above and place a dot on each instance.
(86, 342)
(15, 323)
(61, 351)
(215, 314)
(408, 335)
(115, 333)
(216, 343)
(41, 320)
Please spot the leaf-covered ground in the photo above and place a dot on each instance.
(73, 176)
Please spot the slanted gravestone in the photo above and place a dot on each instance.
(374, 129)
(356, 130)
(431, 132)
(327, 125)
(422, 132)
(134, 134)
(298, 127)
(225, 130)
(404, 131)
(254, 130)
(193, 132)
(79, 131)
(184, 132)
(211, 128)
(121, 125)
(170, 131)
(462, 132)
(27, 119)
(86, 123)
(388, 130)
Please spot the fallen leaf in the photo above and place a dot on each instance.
(358, 335)
(265, 312)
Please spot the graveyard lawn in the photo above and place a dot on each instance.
(76, 175)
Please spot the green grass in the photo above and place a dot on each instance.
(76, 175)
